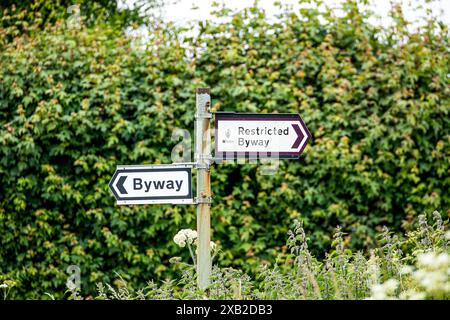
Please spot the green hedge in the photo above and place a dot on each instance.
(75, 103)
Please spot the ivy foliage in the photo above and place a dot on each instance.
(74, 103)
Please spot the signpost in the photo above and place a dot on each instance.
(152, 184)
(260, 135)
(238, 135)
(203, 161)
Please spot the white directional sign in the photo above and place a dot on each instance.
(237, 135)
(260, 135)
(152, 184)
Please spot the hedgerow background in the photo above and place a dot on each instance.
(74, 103)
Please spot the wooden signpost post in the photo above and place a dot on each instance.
(203, 200)
(238, 135)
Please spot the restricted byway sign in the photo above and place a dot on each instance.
(260, 135)
(146, 184)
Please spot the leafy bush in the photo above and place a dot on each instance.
(74, 103)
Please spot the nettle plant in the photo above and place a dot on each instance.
(416, 266)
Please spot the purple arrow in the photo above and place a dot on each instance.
(299, 136)
(120, 186)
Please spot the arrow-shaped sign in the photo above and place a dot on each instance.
(260, 135)
(152, 184)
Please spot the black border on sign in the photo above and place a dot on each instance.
(257, 117)
(119, 171)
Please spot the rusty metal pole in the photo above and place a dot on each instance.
(203, 200)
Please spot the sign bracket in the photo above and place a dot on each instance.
(199, 200)
(207, 115)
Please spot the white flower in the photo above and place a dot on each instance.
(212, 245)
(406, 270)
(390, 286)
(434, 261)
(434, 280)
(442, 261)
(180, 240)
(412, 295)
(378, 292)
(191, 235)
(385, 290)
(3, 285)
(425, 259)
(185, 236)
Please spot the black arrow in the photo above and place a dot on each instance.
(120, 183)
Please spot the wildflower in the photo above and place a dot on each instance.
(431, 280)
(191, 235)
(390, 285)
(3, 285)
(412, 295)
(426, 259)
(433, 273)
(442, 261)
(385, 290)
(433, 261)
(185, 236)
(180, 240)
(406, 270)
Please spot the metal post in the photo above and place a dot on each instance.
(203, 200)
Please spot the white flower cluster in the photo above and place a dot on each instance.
(189, 236)
(212, 245)
(412, 294)
(431, 276)
(185, 236)
(433, 273)
(385, 290)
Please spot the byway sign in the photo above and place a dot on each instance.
(260, 135)
(237, 135)
(152, 184)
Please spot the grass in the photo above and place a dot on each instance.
(413, 266)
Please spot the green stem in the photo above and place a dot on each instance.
(192, 254)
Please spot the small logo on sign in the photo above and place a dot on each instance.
(228, 133)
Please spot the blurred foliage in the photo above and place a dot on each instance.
(76, 102)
